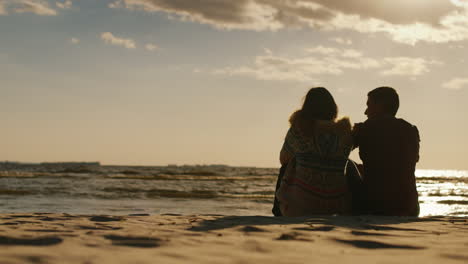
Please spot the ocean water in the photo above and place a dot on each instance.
(224, 190)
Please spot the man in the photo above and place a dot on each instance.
(389, 150)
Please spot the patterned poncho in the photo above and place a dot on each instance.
(314, 181)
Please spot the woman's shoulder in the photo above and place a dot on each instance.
(341, 126)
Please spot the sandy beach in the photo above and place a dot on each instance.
(86, 239)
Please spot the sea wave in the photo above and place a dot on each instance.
(452, 202)
(192, 194)
(170, 185)
(14, 192)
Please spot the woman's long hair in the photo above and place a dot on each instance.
(318, 105)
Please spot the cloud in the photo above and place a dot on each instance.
(342, 41)
(2, 9)
(456, 84)
(64, 5)
(405, 66)
(151, 47)
(453, 27)
(461, 3)
(402, 20)
(109, 38)
(227, 14)
(38, 7)
(322, 50)
(74, 40)
(395, 11)
(319, 61)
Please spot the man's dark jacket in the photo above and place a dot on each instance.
(389, 149)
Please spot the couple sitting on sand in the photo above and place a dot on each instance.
(317, 178)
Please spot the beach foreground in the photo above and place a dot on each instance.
(86, 239)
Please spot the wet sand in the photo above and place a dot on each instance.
(86, 239)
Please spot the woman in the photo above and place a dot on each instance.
(315, 153)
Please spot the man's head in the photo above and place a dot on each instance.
(382, 101)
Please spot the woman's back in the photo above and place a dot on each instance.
(316, 153)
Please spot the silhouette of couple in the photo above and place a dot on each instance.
(317, 178)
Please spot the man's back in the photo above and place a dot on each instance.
(389, 149)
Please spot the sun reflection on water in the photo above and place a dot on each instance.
(443, 192)
(441, 173)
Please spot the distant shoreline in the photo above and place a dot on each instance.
(5, 163)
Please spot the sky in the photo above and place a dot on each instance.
(156, 82)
